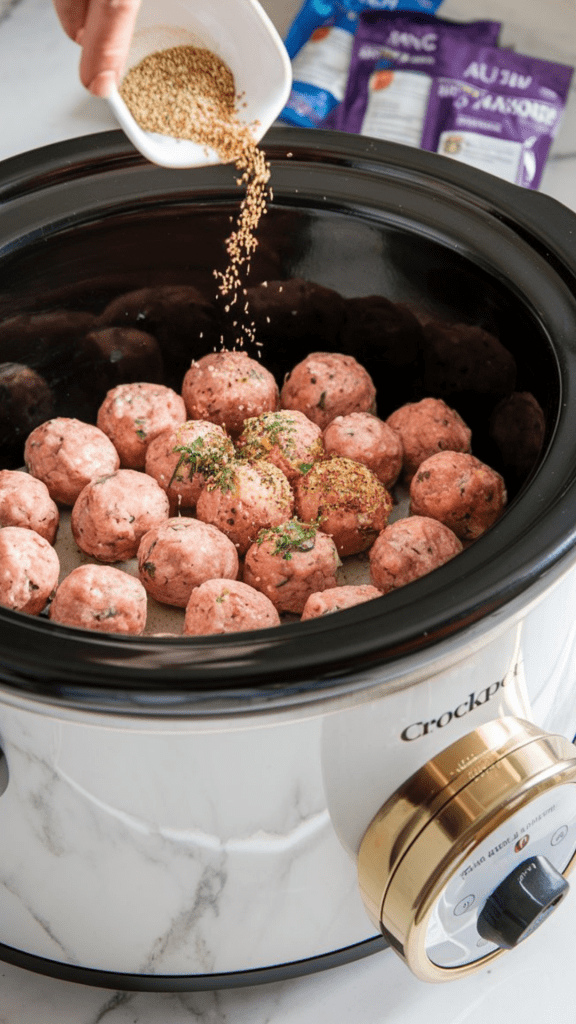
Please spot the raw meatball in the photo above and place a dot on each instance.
(121, 355)
(100, 597)
(337, 599)
(228, 388)
(25, 401)
(326, 385)
(29, 570)
(364, 438)
(290, 562)
(132, 415)
(347, 500)
(26, 502)
(287, 438)
(66, 454)
(467, 366)
(517, 427)
(112, 514)
(408, 549)
(182, 553)
(459, 490)
(428, 427)
(227, 606)
(181, 460)
(243, 499)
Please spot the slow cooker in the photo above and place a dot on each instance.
(184, 813)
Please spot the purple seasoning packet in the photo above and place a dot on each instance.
(394, 60)
(496, 110)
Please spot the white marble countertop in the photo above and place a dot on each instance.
(43, 102)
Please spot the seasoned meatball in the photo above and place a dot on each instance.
(408, 549)
(364, 438)
(181, 460)
(182, 553)
(132, 415)
(112, 514)
(25, 401)
(228, 388)
(66, 454)
(347, 500)
(287, 438)
(289, 562)
(227, 606)
(428, 427)
(243, 499)
(25, 501)
(459, 490)
(29, 570)
(328, 384)
(102, 598)
(337, 599)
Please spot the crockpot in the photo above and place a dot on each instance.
(182, 813)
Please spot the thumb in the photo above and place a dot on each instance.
(105, 43)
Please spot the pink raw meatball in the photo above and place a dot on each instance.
(328, 384)
(243, 499)
(364, 438)
(290, 562)
(227, 606)
(459, 490)
(182, 553)
(428, 427)
(25, 501)
(228, 388)
(337, 599)
(132, 415)
(287, 438)
(29, 570)
(408, 549)
(100, 597)
(112, 514)
(181, 460)
(66, 454)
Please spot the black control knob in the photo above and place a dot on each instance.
(522, 902)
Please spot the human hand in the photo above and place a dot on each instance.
(103, 28)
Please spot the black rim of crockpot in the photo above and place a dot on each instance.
(531, 541)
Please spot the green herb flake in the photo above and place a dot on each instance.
(322, 401)
(289, 537)
(150, 569)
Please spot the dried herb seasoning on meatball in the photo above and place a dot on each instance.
(408, 549)
(227, 606)
(244, 498)
(427, 427)
(228, 388)
(328, 384)
(291, 561)
(337, 599)
(101, 598)
(112, 513)
(180, 554)
(347, 500)
(132, 415)
(26, 502)
(365, 438)
(459, 490)
(287, 438)
(29, 570)
(25, 401)
(518, 426)
(66, 454)
(181, 460)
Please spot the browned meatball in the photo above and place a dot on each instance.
(132, 415)
(459, 490)
(287, 438)
(182, 553)
(66, 454)
(408, 549)
(29, 570)
(337, 599)
(328, 384)
(290, 562)
(227, 606)
(112, 514)
(428, 427)
(25, 401)
(181, 460)
(364, 438)
(102, 598)
(347, 500)
(243, 499)
(25, 501)
(228, 388)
